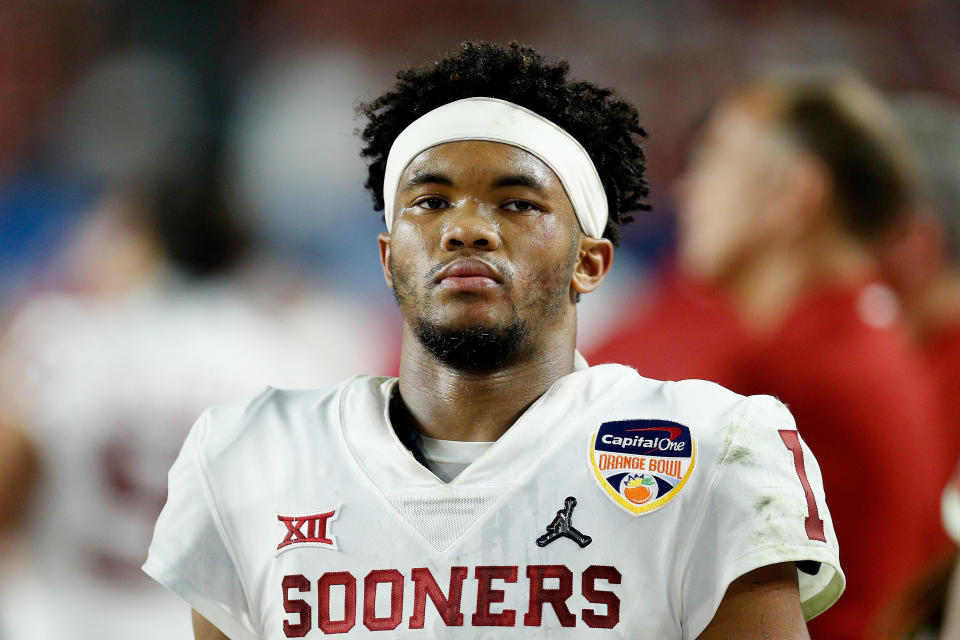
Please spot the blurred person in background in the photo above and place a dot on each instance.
(683, 328)
(920, 258)
(791, 183)
(159, 313)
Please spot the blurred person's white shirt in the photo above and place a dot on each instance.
(107, 389)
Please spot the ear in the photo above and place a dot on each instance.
(593, 263)
(383, 239)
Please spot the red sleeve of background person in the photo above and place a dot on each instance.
(865, 407)
(684, 330)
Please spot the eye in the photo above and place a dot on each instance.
(433, 202)
(521, 206)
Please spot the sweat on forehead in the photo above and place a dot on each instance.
(515, 168)
(496, 120)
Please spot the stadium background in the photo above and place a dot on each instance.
(92, 91)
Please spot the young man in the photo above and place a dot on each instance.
(498, 487)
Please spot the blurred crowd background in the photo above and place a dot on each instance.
(183, 220)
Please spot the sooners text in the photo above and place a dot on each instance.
(305, 613)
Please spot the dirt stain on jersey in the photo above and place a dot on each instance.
(734, 453)
(740, 455)
(762, 504)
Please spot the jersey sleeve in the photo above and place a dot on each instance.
(189, 554)
(765, 505)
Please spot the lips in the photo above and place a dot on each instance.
(469, 274)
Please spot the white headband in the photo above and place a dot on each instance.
(501, 121)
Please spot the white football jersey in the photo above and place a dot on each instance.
(615, 507)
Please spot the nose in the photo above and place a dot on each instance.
(470, 229)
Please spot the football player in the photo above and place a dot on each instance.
(499, 486)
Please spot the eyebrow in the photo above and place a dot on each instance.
(520, 180)
(507, 180)
(427, 177)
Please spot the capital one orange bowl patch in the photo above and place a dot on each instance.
(642, 464)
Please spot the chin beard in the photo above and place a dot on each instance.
(475, 349)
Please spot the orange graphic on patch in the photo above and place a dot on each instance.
(639, 490)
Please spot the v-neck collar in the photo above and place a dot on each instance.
(367, 429)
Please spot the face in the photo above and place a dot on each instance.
(482, 251)
(726, 196)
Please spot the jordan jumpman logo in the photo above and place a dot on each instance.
(562, 527)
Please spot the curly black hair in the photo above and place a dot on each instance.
(608, 128)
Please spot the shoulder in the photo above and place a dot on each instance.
(680, 392)
(720, 421)
(702, 405)
(34, 332)
(701, 398)
(275, 418)
(729, 426)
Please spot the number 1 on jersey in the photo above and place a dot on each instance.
(813, 522)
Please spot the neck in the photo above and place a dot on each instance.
(451, 404)
(768, 288)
